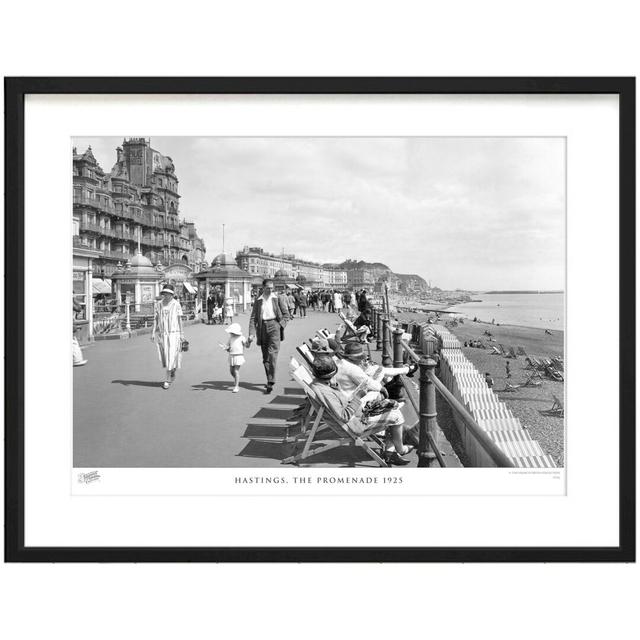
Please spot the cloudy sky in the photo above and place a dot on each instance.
(471, 213)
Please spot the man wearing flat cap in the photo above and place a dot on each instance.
(269, 317)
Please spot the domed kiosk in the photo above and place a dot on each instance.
(225, 274)
(282, 280)
(137, 281)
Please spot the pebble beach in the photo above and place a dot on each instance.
(527, 403)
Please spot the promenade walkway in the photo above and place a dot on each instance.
(124, 418)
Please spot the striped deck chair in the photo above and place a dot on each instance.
(521, 351)
(504, 351)
(341, 435)
(302, 376)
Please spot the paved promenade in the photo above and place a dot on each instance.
(124, 418)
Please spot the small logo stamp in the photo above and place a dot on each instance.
(87, 478)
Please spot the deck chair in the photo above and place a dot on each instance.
(510, 388)
(501, 347)
(306, 354)
(534, 379)
(535, 363)
(554, 374)
(521, 351)
(342, 436)
(495, 351)
(512, 353)
(557, 408)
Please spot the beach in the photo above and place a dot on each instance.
(525, 403)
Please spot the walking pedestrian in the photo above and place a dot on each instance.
(167, 333)
(211, 304)
(337, 301)
(269, 317)
(291, 303)
(235, 347)
(78, 359)
(508, 369)
(228, 310)
(302, 302)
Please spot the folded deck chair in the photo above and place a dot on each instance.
(521, 351)
(495, 351)
(341, 435)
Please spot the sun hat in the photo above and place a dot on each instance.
(234, 328)
(335, 346)
(353, 351)
(320, 345)
(324, 368)
(168, 288)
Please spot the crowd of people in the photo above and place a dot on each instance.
(220, 310)
(325, 300)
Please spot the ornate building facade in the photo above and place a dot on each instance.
(138, 201)
(261, 264)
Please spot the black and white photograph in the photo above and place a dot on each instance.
(318, 302)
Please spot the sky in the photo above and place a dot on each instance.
(470, 213)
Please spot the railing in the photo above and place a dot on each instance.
(82, 199)
(429, 383)
(110, 318)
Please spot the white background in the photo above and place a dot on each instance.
(489, 38)
(53, 517)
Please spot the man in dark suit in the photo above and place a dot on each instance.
(269, 317)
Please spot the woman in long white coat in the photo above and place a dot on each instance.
(337, 301)
(168, 334)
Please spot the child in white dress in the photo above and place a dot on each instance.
(235, 347)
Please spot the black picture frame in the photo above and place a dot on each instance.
(15, 91)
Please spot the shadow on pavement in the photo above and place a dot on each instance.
(225, 385)
(262, 449)
(277, 414)
(292, 391)
(137, 383)
(272, 431)
(292, 400)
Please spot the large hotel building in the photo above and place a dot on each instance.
(261, 264)
(137, 201)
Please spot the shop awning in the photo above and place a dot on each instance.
(188, 287)
(101, 286)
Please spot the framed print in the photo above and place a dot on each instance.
(320, 319)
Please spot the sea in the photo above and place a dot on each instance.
(542, 310)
